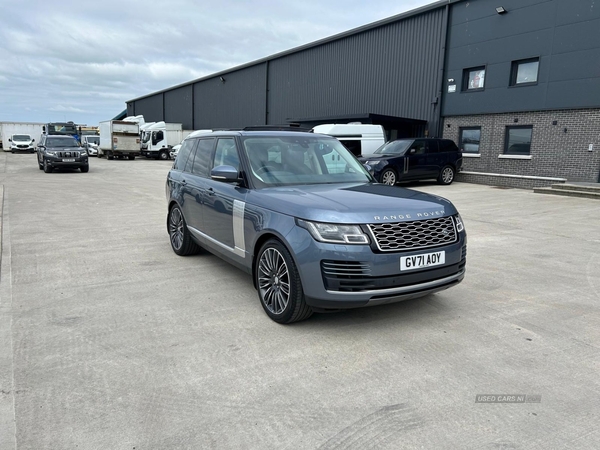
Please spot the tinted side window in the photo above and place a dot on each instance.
(432, 147)
(419, 148)
(448, 146)
(184, 153)
(202, 158)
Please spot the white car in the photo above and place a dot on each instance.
(21, 143)
(174, 151)
(91, 144)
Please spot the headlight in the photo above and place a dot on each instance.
(51, 153)
(459, 223)
(334, 233)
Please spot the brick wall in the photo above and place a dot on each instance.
(554, 152)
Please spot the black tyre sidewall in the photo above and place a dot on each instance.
(296, 308)
(188, 246)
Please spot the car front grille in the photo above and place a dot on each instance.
(73, 154)
(414, 235)
(22, 146)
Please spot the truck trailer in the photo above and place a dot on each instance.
(7, 129)
(119, 139)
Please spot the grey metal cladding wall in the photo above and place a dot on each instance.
(150, 107)
(237, 102)
(391, 70)
(178, 106)
(564, 34)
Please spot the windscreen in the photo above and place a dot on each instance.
(21, 137)
(289, 160)
(61, 142)
(398, 147)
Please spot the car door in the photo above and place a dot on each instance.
(433, 161)
(196, 175)
(224, 202)
(416, 161)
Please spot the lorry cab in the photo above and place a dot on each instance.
(359, 138)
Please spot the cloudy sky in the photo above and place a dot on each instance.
(82, 60)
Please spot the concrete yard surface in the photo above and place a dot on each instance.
(111, 341)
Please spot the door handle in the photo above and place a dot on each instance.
(183, 182)
(210, 191)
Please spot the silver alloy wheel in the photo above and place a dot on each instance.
(176, 228)
(447, 175)
(389, 177)
(273, 281)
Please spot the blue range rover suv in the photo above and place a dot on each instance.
(300, 214)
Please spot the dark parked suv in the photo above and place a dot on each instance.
(300, 214)
(415, 159)
(64, 152)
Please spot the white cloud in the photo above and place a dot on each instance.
(85, 59)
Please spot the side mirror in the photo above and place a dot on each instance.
(412, 151)
(9, 140)
(33, 140)
(229, 174)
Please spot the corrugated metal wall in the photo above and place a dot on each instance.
(394, 69)
(391, 70)
(150, 107)
(238, 101)
(178, 106)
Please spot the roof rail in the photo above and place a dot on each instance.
(284, 127)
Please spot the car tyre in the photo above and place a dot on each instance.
(47, 168)
(163, 155)
(179, 235)
(85, 168)
(389, 177)
(279, 286)
(446, 175)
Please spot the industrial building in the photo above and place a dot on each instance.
(515, 83)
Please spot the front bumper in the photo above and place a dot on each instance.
(57, 162)
(364, 277)
(28, 149)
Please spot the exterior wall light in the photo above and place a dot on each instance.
(501, 10)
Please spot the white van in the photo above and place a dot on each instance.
(360, 139)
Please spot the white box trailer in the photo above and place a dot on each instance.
(7, 129)
(119, 139)
(360, 139)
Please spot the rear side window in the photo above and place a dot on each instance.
(432, 147)
(184, 153)
(202, 158)
(448, 146)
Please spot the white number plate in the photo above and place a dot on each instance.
(68, 160)
(421, 261)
